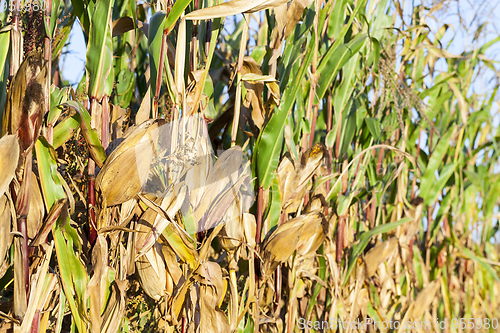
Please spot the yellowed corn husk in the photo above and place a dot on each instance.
(151, 271)
(304, 232)
(317, 202)
(119, 179)
(313, 234)
(295, 180)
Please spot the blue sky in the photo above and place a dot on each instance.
(72, 63)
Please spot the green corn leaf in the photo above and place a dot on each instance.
(99, 54)
(469, 254)
(333, 61)
(269, 143)
(429, 178)
(73, 274)
(4, 68)
(156, 28)
(95, 147)
(64, 130)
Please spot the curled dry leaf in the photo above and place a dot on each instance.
(212, 291)
(46, 226)
(313, 235)
(227, 180)
(255, 89)
(287, 16)
(424, 299)
(97, 285)
(115, 310)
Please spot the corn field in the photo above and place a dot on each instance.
(248, 166)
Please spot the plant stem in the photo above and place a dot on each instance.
(91, 183)
(160, 74)
(48, 58)
(340, 240)
(16, 40)
(258, 229)
(22, 208)
(237, 101)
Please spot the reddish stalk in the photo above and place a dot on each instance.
(160, 74)
(340, 240)
(48, 58)
(105, 122)
(35, 326)
(313, 126)
(373, 210)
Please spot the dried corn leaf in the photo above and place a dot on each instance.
(380, 253)
(424, 299)
(287, 16)
(296, 183)
(40, 288)
(233, 7)
(36, 208)
(232, 235)
(96, 287)
(46, 226)
(228, 179)
(9, 150)
(115, 310)
(171, 204)
(5, 227)
(211, 292)
(313, 234)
